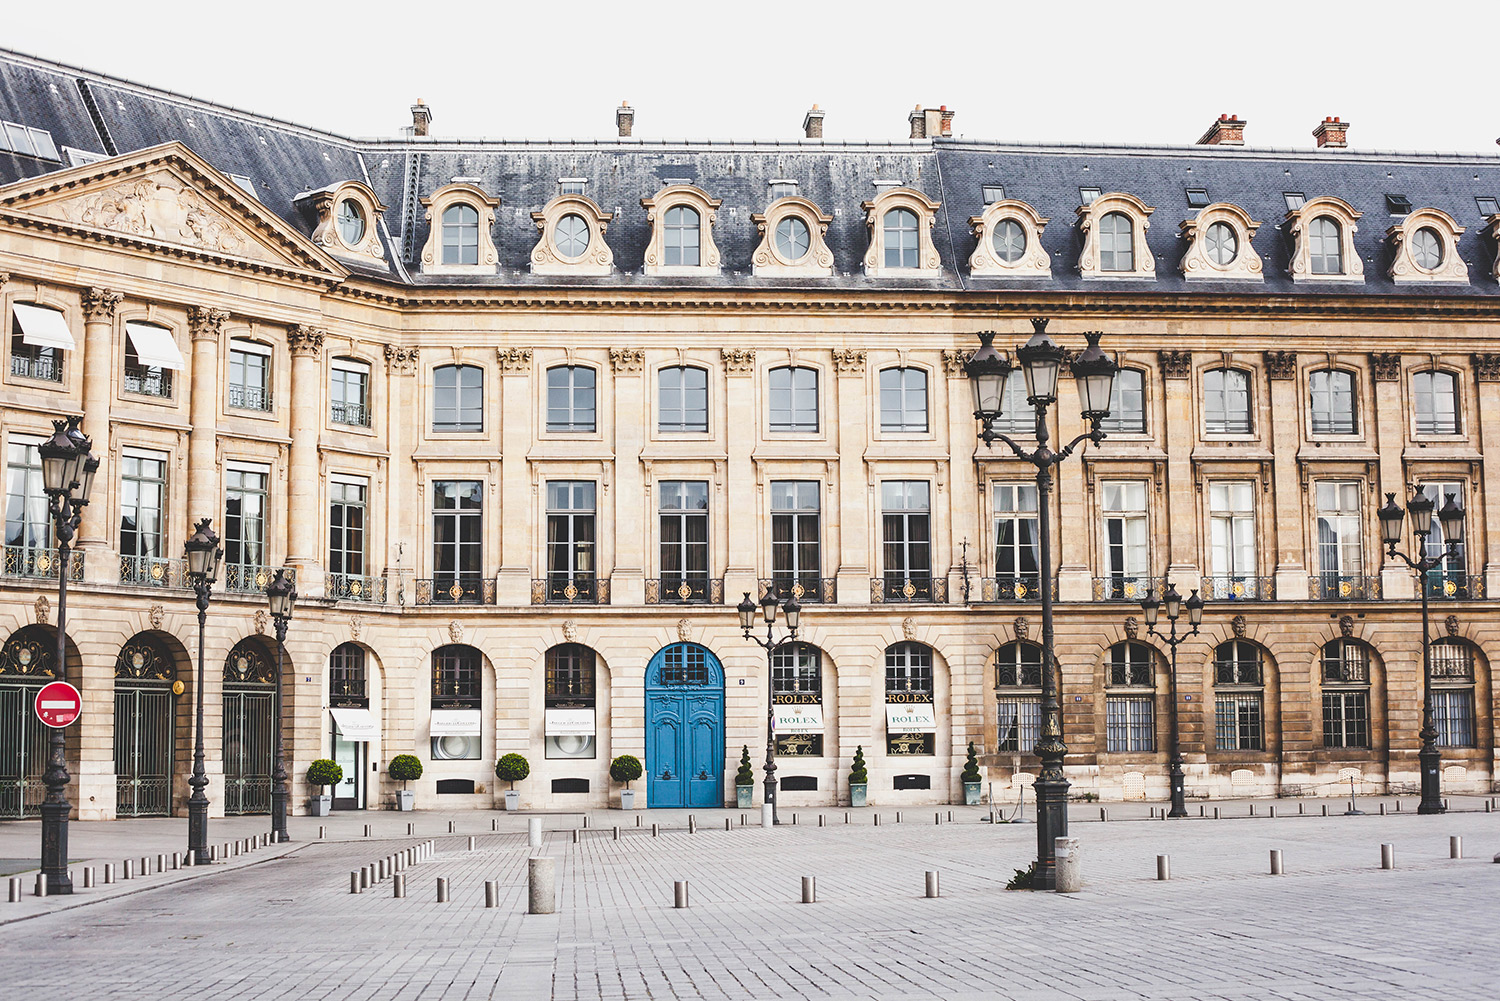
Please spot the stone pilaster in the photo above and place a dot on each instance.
(303, 482)
(853, 511)
(99, 306)
(513, 585)
(401, 508)
(1290, 500)
(630, 496)
(742, 505)
(1482, 523)
(206, 325)
(966, 503)
(1389, 421)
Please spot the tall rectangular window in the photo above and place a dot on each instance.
(1346, 718)
(1453, 716)
(1436, 396)
(457, 535)
(1017, 552)
(458, 398)
(795, 536)
(570, 538)
(143, 488)
(27, 525)
(1449, 577)
(1340, 551)
(570, 398)
(794, 399)
(906, 521)
(1226, 402)
(346, 526)
(38, 337)
(1331, 394)
(1231, 519)
(244, 518)
(682, 399)
(1237, 722)
(1129, 724)
(249, 375)
(140, 377)
(349, 392)
(683, 510)
(903, 399)
(1127, 554)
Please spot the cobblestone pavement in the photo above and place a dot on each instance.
(280, 921)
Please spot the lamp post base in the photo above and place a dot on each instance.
(198, 831)
(55, 848)
(1432, 791)
(1051, 824)
(1179, 791)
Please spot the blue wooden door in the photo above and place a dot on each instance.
(684, 728)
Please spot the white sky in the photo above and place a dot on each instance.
(1415, 75)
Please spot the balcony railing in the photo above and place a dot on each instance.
(354, 414)
(451, 589)
(1343, 587)
(33, 367)
(1238, 587)
(1454, 585)
(40, 564)
(153, 571)
(689, 589)
(914, 590)
(1013, 587)
(355, 587)
(251, 578)
(148, 381)
(560, 589)
(1127, 587)
(807, 590)
(250, 398)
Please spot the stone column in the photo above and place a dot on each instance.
(401, 508)
(853, 512)
(1480, 524)
(631, 501)
(741, 500)
(99, 305)
(303, 505)
(515, 500)
(965, 502)
(1389, 427)
(1180, 428)
(206, 325)
(1290, 500)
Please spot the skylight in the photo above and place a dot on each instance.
(1294, 200)
(1397, 204)
(994, 193)
(1087, 195)
(1197, 198)
(246, 185)
(1487, 206)
(17, 138)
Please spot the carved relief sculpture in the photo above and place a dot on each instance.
(1022, 628)
(514, 359)
(304, 342)
(400, 359)
(1281, 365)
(206, 323)
(99, 304)
(738, 359)
(1486, 367)
(1175, 364)
(849, 360)
(627, 359)
(1385, 366)
(954, 360)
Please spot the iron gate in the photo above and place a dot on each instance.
(144, 741)
(23, 750)
(247, 749)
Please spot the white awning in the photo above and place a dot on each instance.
(42, 327)
(910, 717)
(356, 724)
(569, 723)
(154, 346)
(455, 722)
(803, 718)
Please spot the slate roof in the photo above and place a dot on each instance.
(283, 160)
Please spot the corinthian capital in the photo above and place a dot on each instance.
(304, 342)
(99, 304)
(205, 322)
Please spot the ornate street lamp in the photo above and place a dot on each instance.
(1041, 360)
(1451, 517)
(68, 468)
(1151, 607)
(282, 594)
(768, 607)
(203, 557)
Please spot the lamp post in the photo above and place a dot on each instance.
(68, 468)
(282, 594)
(1041, 360)
(1151, 606)
(1452, 519)
(768, 606)
(203, 556)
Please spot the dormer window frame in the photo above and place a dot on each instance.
(326, 204)
(658, 206)
(572, 186)
(986, 260)
(929, 263)
(436, 205)
(769, 261)
(1090, 217)
(1405, 267)
(1299, 224)
(548, 256)
(1198, 260)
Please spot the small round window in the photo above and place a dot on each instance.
(1221, 244)
(1427, 249)
(351, 222)
(572, 235)
(793, 238)
(1010, 241)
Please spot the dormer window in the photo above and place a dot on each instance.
(1425, 245)
(461, 235)
(900, 238)
(1116, 243)
(1397, 204)
(346, 214)
(572, 185)
(1294, 200)
(791, 240)
(993, 193)
(1219, 244)
(782, 189)
(1487, 206)
(1114, 237)
(459, 241)
(900, 223)
(682, 242)
(1325, 246)
(572, 232)
(1197, 198)
(17, 138)
(681, 245)
(1322, 233)
(351, 222)
(1008, 241)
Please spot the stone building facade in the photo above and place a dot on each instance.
(527, 419)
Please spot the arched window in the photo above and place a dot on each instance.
(681, 240)
(1130, 716)
(457, 699)
(38, 337)
(570, 702)
(461, 234)
(30, 652)
(151, 356)
(797, 690)
(1331, 395)
(903, 399)
(1325, 246)
(570, 398)
(1346, 694)
(1116, 242)
(1226, 401)
(682, 399)
(347, 686)
(1436, 398)
(1127, 403)
(1453, 693)
(1238, 719)
(794, 399)
(901, 238)
(793, 238)
(910, 714)
(1018, 700)
(248, 700)
(458, 398)
(249, 664)
(249, 375)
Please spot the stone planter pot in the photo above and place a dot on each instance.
(512, 801)
(627, 799)
(319, 806)
(858, 792)
(971, 793)
(405, 799)
(744, 796)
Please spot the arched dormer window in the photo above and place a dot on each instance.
(792, 233)
(1239, 721)
(461, 219)
(1424, 248)
(1008, 241)
(1218, 245)
(571, 242)
(348, 216)
(1332, 402)
(1322, 233)
(1345, 673)
(900, 223)
(1114, 237)
(682, 220)
(1226, 402)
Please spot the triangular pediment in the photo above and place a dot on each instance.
(170, 198)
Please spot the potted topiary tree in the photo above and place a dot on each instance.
(626, 768)
(405, 768)
(971, 778)
(512, 768)
(744, 781)
(321, 774)
(859, 778)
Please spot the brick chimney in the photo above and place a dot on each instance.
(1229, 130)
(421, 118)
(812, 123)
(918, 123)
(624, 119)
(1332, 133)
(930, 122)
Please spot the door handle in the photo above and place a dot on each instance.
(666, 775)
(703, 775)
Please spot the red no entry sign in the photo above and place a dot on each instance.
(58, 704)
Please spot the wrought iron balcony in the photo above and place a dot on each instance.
(456, 589)
(1454, 585)
(251, 578)
(915, 589)
(560, 589)
(807, 590)
(40, 564)
(685, 589)
(36, 366)
(152, 571)
(356, 587)
(1013, 587)
(354, 414)
(250, 398)
(1343, 587)
(143, 381)
(1239, 587)
(1127, 587)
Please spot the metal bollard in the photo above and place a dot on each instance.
(127, 869)
(534, 832)
(1163, 867)
(450, 826)
(1216, 813)
(654, 830)
(541, 886)
(1387, 856)
(177, 860)
(1299, 810)
(1252, 809)
(41, 885)
(398, 887)
(355, 882)
(794, 820)
(471, 842)
(15, 889)
(88, 877)
(322, 831)
(692, 826)
(161, 863)
(809, 889)
(364, 877)
(950, 816)
(898, 816)
(367, 830)
(617, 830)
(1382, 809)
(726, 823)
(1325, 809)
(1273, 813)
(1455, 847)
(767, 815)
(145, 865)
(213, 853)
(932, 883)
(492, 893)
(1398, 806)
(744, 819)
(1276, 869)
(585, 821)
(638, 820)
(680, 893)
(1104, 814)
(846, 816)
(1067, 873)
(494, 825)
(937, 819)
(1202, 810)
(575, 835)
(442, 889)
(109, 872)
(877, 820)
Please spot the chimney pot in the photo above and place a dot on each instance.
(1227, 130)
(918, 121)
(1332, 133)
(421, 118)
(624, 119)
(812, 123)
